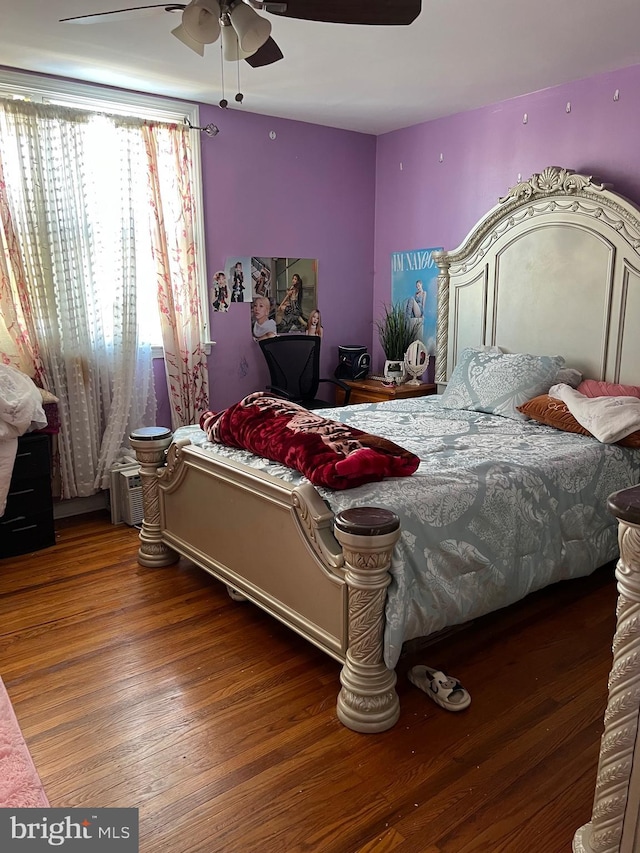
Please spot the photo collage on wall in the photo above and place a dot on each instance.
(283, 293)
(414, 284)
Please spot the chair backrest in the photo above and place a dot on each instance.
(294, 364)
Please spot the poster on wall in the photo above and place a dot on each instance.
(220, 296)
(284, 297)
(261, 277)
(414, 284)
(238, 271)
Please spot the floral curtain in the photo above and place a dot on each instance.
(18, 338)
(172, 202)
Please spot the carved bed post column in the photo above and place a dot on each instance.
(442, 329)
(367, 701)
(615, 819)
(150, 444)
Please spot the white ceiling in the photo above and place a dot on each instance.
(459, 54)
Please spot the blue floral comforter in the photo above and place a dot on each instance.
(498, 508)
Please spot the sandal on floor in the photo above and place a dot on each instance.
(445, 691)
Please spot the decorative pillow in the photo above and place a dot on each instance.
(327, 452)
(497, 383)
(569, 376)
(552, 412)
(594, 388)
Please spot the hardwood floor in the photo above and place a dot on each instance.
(151, 688)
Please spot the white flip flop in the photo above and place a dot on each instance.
(445, 690)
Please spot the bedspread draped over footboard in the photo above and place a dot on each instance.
(497, 508)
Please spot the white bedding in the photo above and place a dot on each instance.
(20, 410)
(609, 419)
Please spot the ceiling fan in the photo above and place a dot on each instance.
(246, 34)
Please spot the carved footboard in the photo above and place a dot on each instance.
(274, 544)
(615, 823)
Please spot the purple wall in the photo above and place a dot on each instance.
(342, 198)
(308, 193)
(163, 408)
(432, 203)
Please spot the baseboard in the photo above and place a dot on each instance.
(80, 506)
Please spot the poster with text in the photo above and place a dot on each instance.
(414, 284)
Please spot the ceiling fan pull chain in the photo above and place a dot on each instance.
(239, 95)
(223, 103)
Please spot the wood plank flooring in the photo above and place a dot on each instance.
(151, 688)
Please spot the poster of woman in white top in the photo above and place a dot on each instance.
(414, 284)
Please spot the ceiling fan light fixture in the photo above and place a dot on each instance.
(181, 34)
(231, 50)
(253, 30)
(201, 21)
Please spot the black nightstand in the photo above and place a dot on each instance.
(27, 523)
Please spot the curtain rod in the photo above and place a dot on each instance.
(210, 129)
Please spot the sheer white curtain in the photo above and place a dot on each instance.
(78, 277)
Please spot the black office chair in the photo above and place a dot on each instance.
(294, 368)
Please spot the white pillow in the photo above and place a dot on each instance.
(20, 401)
(609, 419)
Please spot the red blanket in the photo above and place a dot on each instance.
(327, 452)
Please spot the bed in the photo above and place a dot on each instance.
(552, 269)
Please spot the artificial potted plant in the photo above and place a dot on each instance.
(396, 331)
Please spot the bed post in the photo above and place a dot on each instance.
(367, 701)
(442, 329)
(615, 819)
(150, 444)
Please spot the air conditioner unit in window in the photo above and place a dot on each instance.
(126, 495)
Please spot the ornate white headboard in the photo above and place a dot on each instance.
(552, 269)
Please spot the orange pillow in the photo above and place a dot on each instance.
(547, 410)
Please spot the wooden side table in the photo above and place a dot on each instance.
(373, 391)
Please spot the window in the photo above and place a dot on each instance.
(117, 102)
(101, 228)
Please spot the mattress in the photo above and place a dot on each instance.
(497, 508)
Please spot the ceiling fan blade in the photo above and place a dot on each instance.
(373, 12)
(265, 55)
(123, 14)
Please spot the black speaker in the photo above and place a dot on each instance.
(353, 362)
